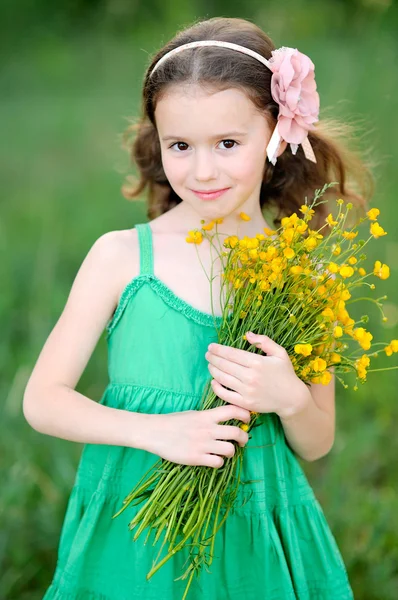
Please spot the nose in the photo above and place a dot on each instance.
(204, 165)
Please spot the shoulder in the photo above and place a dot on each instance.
(114, 256)
(113, 244)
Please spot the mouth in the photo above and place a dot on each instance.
(210, 194)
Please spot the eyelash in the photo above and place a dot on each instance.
(226, 140)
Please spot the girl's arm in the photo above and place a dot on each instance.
(311, 431)
(50, 404)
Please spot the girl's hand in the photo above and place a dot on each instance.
(259, 383)
(196, 437)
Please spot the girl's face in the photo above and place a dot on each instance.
(212, 142)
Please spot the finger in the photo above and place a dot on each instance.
(231, 432)
(231, 411)
(232, 368)
(227, 395)
(212, 460)
(222, 448)
(227, 380)
(235, 355)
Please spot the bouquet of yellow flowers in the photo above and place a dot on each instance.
(294, 285)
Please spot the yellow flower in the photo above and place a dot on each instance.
(363, 337)
(381, 270)
(350, 235)
(346, 271)
(352, 260)
(336, 249)
(333, 267)
(253, 242)
(231, 241)
(269, 231)
(329, 220)
(326, 378)
(363, 361)
(345, 294)
(362, 271)
(244, 216)
(361, 364)
(304, 349)
(310, 243)
(302, 226)
(288, 235)
(318, 364)
(337, 331)
(289, 252)
(376, 230)
(296, 269)
(209, 226)
(238, 283)
(340, 201)
(219, 220)
(335, 358)
(308, 212)
(244, 257)
(194, 237)
(373, 213)
(244, 426)
(327, 312)
(392, 347)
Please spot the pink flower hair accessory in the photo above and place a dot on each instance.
(293, 87)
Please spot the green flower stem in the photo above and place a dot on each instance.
(190, 519)
(386, 369)
(186, 504)
(148, 509)
(164, 513)
(158, 532)
(137, 489)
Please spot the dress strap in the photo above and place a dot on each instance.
(146, 248)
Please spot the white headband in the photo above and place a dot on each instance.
(292, 81)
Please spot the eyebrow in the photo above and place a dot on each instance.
(217, 136)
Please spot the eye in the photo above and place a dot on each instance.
(179, 144)
(229, 142)
(182, 146)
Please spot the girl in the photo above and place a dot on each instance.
(223, 135)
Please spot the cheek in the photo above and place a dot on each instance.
(249, 169)
(175, 170)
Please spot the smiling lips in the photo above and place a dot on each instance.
(211, 194)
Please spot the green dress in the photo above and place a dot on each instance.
(276, 545)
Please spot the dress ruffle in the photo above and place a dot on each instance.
(278, 546)
(286, 552)
(167, 295)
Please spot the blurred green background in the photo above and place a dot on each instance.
(70, 77)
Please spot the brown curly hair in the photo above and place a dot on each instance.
(294, 178)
